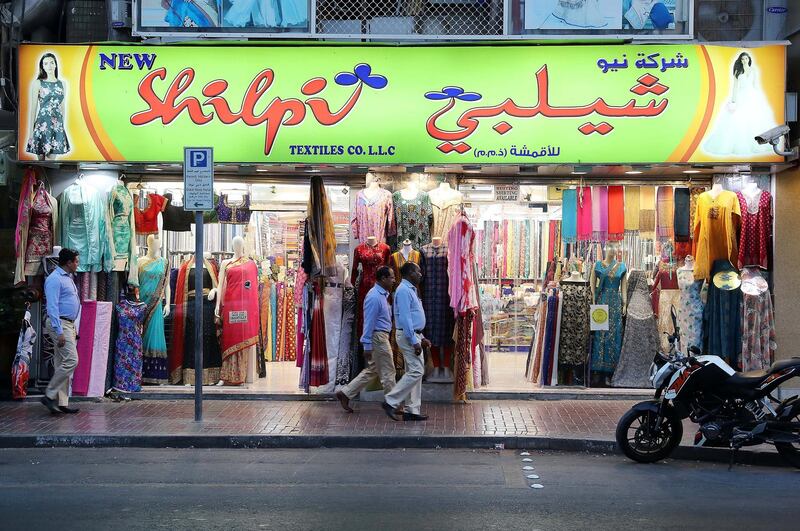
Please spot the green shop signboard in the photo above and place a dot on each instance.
(365, 104)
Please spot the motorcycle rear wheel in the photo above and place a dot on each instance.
(640, 440)
(790, 452)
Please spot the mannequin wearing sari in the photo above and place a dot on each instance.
(153, 287)
(181, 353)
(237, 307)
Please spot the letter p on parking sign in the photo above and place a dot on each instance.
(198, 178)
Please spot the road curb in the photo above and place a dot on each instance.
(748, 457)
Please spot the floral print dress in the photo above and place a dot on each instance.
(128, 359)
(690, 310)
(49, 136)
(413, 218)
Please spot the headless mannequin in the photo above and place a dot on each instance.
(372, 191)
(372, 241)
(688, 263)
(406, 250)
(153, 252)
(752, 193)
(716, 190)
(410, 192)
(575, 276)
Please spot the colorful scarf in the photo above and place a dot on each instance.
(647, 212)
(631, 208)
(666, 212)
(569, 216)
(584, 201)
(600, 213)
(616, 213)
(319, 246)
(682, 231)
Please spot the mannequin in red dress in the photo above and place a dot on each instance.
(370, 256)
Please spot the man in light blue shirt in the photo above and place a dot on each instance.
(377, 349)
(63, 308)
(409, 320)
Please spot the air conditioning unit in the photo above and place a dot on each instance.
(740, 20)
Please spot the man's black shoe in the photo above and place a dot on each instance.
(414, 416)
(68, 410)
(50, 404)
(390, 411)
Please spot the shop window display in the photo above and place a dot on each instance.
(508, 279)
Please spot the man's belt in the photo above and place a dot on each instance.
(67, 319)
(415, 331)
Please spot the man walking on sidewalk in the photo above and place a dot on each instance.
(377, 350)
(63, 307)
(409, 319)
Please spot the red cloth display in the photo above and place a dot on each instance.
(756, 236)
(370, 258)
(239, 308)
(147, 220)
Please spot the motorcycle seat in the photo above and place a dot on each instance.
(755, 378)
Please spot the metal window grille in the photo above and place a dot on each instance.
(409, 17)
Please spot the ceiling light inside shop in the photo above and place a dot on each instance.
(154, 169)
(691, 171)
(633, 172)
(578, 173)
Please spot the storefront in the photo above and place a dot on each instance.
(560, 271)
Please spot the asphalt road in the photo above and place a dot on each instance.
(382, 489)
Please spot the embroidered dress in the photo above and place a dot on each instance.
(607, 344)
(574, 338)
(373, 216)
(152, 283)
(716, 223)
(239, 311)
(41, 230)
(413, 218)
(460, 257)
(439, 320)
(234, 212)
(690, 310)
(49, 136)
(128, 348)
(122, 230)
(640, 342)
(756, 234)
(147, 219)
(445, 213)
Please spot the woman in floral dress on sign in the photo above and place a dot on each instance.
(48, 135)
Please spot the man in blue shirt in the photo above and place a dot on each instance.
(377, 349)
(63, 308)
(409, 320)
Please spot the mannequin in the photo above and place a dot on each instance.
(575, 276)
(688, 264)
(406, 254)
(237, 308)
(122, 231)
(374, 212)
(716, 190)
(406, 250)
(755, 237)
(717, 219)
(373, 190)
(411, 191)
(690, 309)
(154, 292)
(609, 286)
(413, 215)
(440, 322)
(372, 241)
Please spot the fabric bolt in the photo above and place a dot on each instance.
(460, 257)
(128, 358)
(239, 311)
(374, 216)
(616, 213)
(758, 330)
(600, 213)
(716, 224)
(640, 341)
(82, 227)
(584, 216)
(370, 258)
(48, 134)
(413, 218)
(574, 338)
(632, 206)
(152, 284)
(332, 310)
(85, 346)
(665, 204)
(755, 239)
(175, 218)
(647, 212)
(569, 217)
(549, 348)
(237, 212)
(607, 344)
(681, 220)
(439, 320)
(100, 350)
(533, 366)
(690, 309)
(146, 220)
(722, 318)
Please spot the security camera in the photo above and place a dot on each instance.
(773, 136)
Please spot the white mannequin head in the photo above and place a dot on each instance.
(153, 246)
(238, 246)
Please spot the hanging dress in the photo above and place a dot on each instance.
(413, 218)
(666, 296)
(239, 312)
(41, 230)
(690, 310)
(152, 283)
(722, 318)
(716, 223)
(128, 356)
(755, 240)
(607, 344)
(574, 340)
(640, 342)
(758, 322)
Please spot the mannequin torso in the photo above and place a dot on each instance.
(153, 253)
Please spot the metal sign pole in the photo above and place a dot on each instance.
(198, 196)
(198, 316)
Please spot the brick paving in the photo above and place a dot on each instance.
(572, 419)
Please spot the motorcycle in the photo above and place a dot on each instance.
(732, 409)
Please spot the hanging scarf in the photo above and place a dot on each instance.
(666, 212)
(176, 354)
(569, 216)
(631, 208)
(647, 212)
(584, 200)
(26, 196)
(616, 213)
(681, 224)
(600, 213)
(319, 243)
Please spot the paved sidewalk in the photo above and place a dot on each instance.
(570, 425)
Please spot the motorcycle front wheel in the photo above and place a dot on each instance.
(790, 452)
(641, 440)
